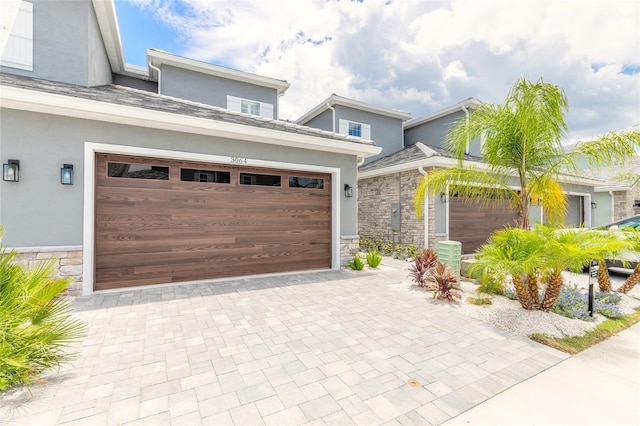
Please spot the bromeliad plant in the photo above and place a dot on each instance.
(420, 271)
(428, 272)
(36, 328)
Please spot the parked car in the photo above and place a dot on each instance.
(630, 223)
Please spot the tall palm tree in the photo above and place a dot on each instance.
(523, 154)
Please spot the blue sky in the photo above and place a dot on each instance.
(410, 55)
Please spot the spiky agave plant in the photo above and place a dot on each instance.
(36, 328)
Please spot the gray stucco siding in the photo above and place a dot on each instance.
(322, 121)
(433, 132)
(67, 45)
(212, 90)
(385, 131)
(39, 211)
(136, 83)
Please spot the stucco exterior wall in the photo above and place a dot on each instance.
(67, 45)
(212, 90)
(54, 212)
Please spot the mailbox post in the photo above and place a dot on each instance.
(593, 278)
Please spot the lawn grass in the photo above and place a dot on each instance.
(600, 332)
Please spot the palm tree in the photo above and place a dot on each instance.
(634, 238)
(516, 252)
(523, 145)
(545, 252)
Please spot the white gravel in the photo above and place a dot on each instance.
(508, 315)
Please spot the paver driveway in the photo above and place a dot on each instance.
(322, 348)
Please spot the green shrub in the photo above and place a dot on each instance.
(492, 283)
(374, 258)
(479, 300)
(35, 325)
(356, 264)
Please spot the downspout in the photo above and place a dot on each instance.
(153, 67)
(466, 111)
(613, 204)
(333, 121)
(425, 208)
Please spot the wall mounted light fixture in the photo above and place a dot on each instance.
(11, 171)
(594, 204)
(66, 174)
(443, 197)
(348, 190)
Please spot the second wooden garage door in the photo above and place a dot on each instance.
(472, 223)
(161, 221)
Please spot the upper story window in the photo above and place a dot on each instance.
(355, 129)
(248, 106)
(18, 51)
(352, 128)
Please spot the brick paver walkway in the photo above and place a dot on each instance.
(322, 348)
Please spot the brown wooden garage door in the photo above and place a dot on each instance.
(162, 221)
(472, 223)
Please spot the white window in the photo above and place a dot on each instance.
(18, 52)
(353, 128)
(249, 106)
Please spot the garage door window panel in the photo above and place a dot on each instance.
(306, 182)
(260, 180)
(138, 171)
(206, 176)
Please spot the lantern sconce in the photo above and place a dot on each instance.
(348, 190)
(443, 197)
(66, 174)
(11, 171)
(594, 204)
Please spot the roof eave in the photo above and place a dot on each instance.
(351, 103)
(159, 57)
(467, 103)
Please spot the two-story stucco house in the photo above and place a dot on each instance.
(175, 172)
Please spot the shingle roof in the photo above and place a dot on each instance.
(415, 152)
(121, 95)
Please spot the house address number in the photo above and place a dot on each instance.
(239, 160)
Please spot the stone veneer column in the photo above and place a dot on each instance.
(67, 262)
(349, 247)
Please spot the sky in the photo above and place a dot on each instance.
(416, 56)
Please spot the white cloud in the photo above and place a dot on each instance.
(420, 56)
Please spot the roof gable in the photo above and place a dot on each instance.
(351, 103)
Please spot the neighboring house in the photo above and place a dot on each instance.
(387, 185)
(175, 172)
(360, 121)
(619, 197)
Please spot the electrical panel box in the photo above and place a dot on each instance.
(395, 217)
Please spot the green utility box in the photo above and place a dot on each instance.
(450, 252)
